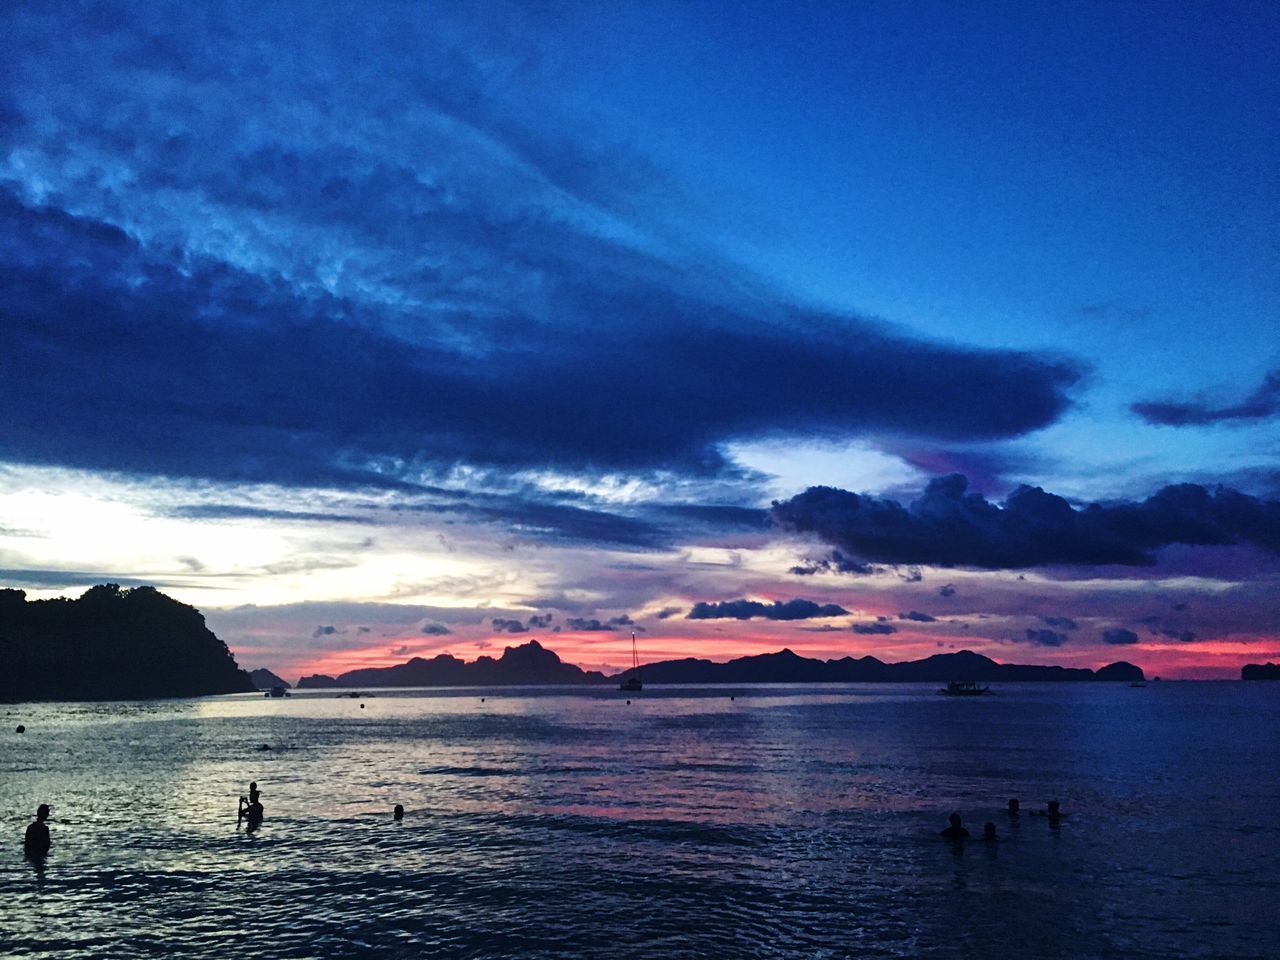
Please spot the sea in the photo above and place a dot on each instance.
(758, 821)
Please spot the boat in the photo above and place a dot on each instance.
(633, 683)
(963, 688)
(277, 692)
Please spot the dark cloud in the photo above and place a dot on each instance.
(1262, 402)
(918, 617)
(948, 590)
(1062, 623)
(1182, 636)
(666, 613)
(1046, 638)
(586, 624)
(874, 628)
(949, 527)
(325, 630)
(797, 609)
(505, 625)
(247, 297)
(1119, 635)
(541, 620)
(435, 629)
(835, 562)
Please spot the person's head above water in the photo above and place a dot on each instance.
(42, 812)
(955, 819)
(1013, 806)
(1053, 808)
(988, 831)
(398, 812)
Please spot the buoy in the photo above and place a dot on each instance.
(362, 706)
(628, 703)
(21, 729)
(265, 746)
(482, 699)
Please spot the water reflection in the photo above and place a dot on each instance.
(551, 823)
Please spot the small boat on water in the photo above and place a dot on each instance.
(633, 683)
(277, 692)
(963, 688)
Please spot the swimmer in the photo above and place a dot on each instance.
(35, 843)
(398, 813)
(1013, 807)
(989, 831)
(955, 831)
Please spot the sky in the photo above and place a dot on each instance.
(394, 329)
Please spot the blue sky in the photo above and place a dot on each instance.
(532, 311)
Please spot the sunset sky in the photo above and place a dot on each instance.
(389, 329)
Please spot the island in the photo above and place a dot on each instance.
(531, 663)
(110, 644)
(1260, 671)
(264, 679)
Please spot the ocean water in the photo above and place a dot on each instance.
(786, 822)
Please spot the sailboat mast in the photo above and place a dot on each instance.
(635, 658)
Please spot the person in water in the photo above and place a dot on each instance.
(955, 831)
(1013, 807)
(989, 831)
(35, 844)
(398, 813)
(251, 804)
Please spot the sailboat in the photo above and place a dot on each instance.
(633, 684)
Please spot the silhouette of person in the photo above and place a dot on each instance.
(1054, 811)
(251, 803)
(989, 831)
(253, 816)
(1013, 807)
(955, 831)
(35, 843)
(398, 813)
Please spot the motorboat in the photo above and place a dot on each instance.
(963, 688)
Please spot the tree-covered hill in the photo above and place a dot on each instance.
(110, 644)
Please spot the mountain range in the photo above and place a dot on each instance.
(531, 663)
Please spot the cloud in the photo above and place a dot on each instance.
(835, 562)
(874, 628)
(918, 617)
(948, 590)
(229, 511)
(187, 266)
(435, 629)
(1046, 638)
(949, 527)
(666, 613)
(1062, 623)
(505, 625)
(541, 620)
(1262, 402)
(1119, 635)
(585, 624)
(797, 609)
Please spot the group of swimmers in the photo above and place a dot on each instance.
(957, 831)
(35, 844)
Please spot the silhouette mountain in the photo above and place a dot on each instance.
(110, 644)
(528, 663)
(1260, 671)
(264, 679)
(533, 663)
